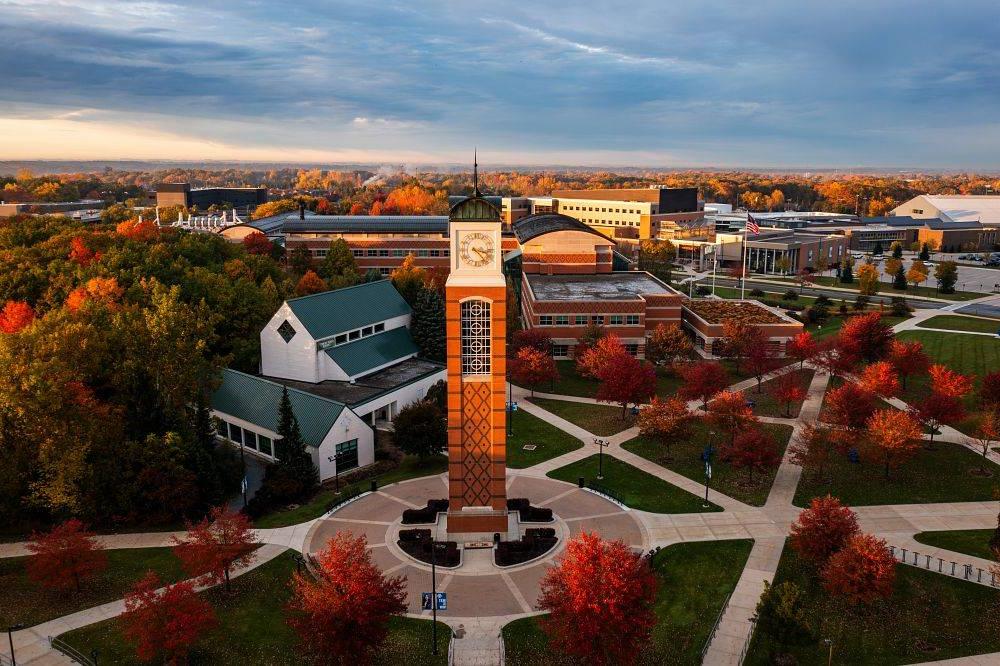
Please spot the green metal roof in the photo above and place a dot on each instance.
(256, 400)
(332, 312)
(361, 356)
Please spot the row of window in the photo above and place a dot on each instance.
(347, 456)
(562, 351)
(610, 223)
(247, 438)
(351, 336)
(583, 320)
(320, 253)
(596, 209)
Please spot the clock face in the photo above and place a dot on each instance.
(476, 249)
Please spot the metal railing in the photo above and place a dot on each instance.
(501, 649)
(72, 652)
(956, 569)
(715, 627)
(451, 650)
(604, 490)
(345, 496)
(746, 643)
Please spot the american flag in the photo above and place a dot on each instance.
(752, 226)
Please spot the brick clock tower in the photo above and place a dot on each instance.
(476, 312)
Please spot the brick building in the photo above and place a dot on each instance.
(705, 318)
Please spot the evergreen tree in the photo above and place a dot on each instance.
(877, 248)
(846, 271)
(300, 261)
(897, 250)
(339, 260)
(293, 476)
(899, 279)
(925, 252)
(946, 274)
(373, 275)
(421, 430)
(428, 324)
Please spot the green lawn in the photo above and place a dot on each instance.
(969, 354)
(23, 601)
(694, 580)
(686, 460)
(771, 295)
(970, 542)
(929, 617)
(252, 628)
(637, 489)
(886, 289)
(602, 420)
(548, 440)
(766, 405)
(410, 468)
(944, 474)
(960, 323)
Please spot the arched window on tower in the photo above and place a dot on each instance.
(475, 337)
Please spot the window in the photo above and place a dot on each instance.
(250, 439)
(384, 271)
(236, 433)
(562, 320)
(918, 211)
(632, 320)
(435, 253)
(632, 349)
(560, 351)
(545, 320)
(286, 331)
(319, 254)
(371, 253)
(354, 335)
(597, 319)
(445, 253)
(397, 253)
(383, 253)
(347, 456)
(581, 320)
(475, 331)
(367, 330)
(340, 339)
(616, 320)
(379, 327)
(358, 253)
(265, 445)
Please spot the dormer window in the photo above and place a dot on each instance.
(286, 331)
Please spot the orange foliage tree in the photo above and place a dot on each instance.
(103, 290)
(138, 229)
(729, 411)
(65, 556)
(813, 448)
(257, 243)
(893, 433)
(600, 600)
(310, 283)
(823, 529)
(879, 378)
(216, 545)
(944, 405)
(862, 571)
(665, 420)
(987, 432)
(802, 348)
(342, 615)
(532, 367)
(80, 254)
(865, 337)
(165, 622)
(15, 316)
(604, 353)
(702, 380)
(909, 359)
(849, 406)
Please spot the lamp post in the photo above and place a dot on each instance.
(707, 457)
(10, 640)
(601, 443)
(434, 602)
(829, 644)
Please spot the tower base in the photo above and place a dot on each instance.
(474, 519)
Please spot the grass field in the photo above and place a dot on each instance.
(602, 420)
(548, 440)
(970, 542)
(694, 581)
(637, 489)
(410, 468)
(945, 474)
(886, 289)
(252, 628)
(929, 617)
(960, 323)
(571, 383)
(22, 601)
(685, 459)
(764, 403)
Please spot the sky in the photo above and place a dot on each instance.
(770, 83)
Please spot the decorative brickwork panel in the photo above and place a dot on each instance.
(476, 443)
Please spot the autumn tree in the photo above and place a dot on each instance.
(752, 449)
(667, 343)
(536, 338)
(802, 348)
(986, 434)
(165, 622)
(822, 530)
(15, 316)
(138, 230)
(862, 571)
(408, 279)
(81, 254)
(741, 338)
(908, 359)
(65, 556)
(866, 337)
(421, 429)
(531, 367)
(892, 267)
(603, 631)
(702, 380)
(831, 358)
(867, 280)
(761, 359)
(729, 411)
(989, 391)
(258, 243)
(946, 274)
(813, 448)
(944, 405)
(917, 273)
(310, 283)
(97, 290)
(787, 388)
(603, 354)
(879, 378)
(222, 541)
(665, 420)
(894, 435)
(627, 381)
(342, 614)
(849, 406)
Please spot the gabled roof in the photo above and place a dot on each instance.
(256, 400)
(533, 226)
(364, 355)
(332, 312)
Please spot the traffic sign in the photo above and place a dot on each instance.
(442, 601)
(708, 470)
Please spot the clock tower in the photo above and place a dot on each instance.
(476, 313)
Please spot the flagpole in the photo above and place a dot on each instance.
(743, 282)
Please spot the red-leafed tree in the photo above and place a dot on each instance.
(753, 449)
(823, 529)
(603, 354)
(80, 254)
(944, 405)
(536, 338)
(989, 391)
(216, 545)
(849, 406)
(987, 432)
(138, 229)
(257, 243)
(802, 348)
(813, 448)
(909, 359)
(866, 337)
(702, 380)
(894, 435)
(786, 389)
(310, 283)
(65, 556)
(666, 344)
(531, 367)
(760, 360)
(627, 381)
(165, 622)
(879, 378)
(947, 382)
(831, 359)
(862, 571)
(600, 599)
(740, 338)
(15, 316)
(665, 420)
(729, 411)
(342, 615)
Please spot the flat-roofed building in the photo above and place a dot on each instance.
(945, 234)
(88, 210)
(182, 194)
(705, 319)
(984, 209)
(772, 251)
(632, 214)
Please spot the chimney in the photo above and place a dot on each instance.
(302, 210)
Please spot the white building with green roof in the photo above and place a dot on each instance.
(349, 363)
